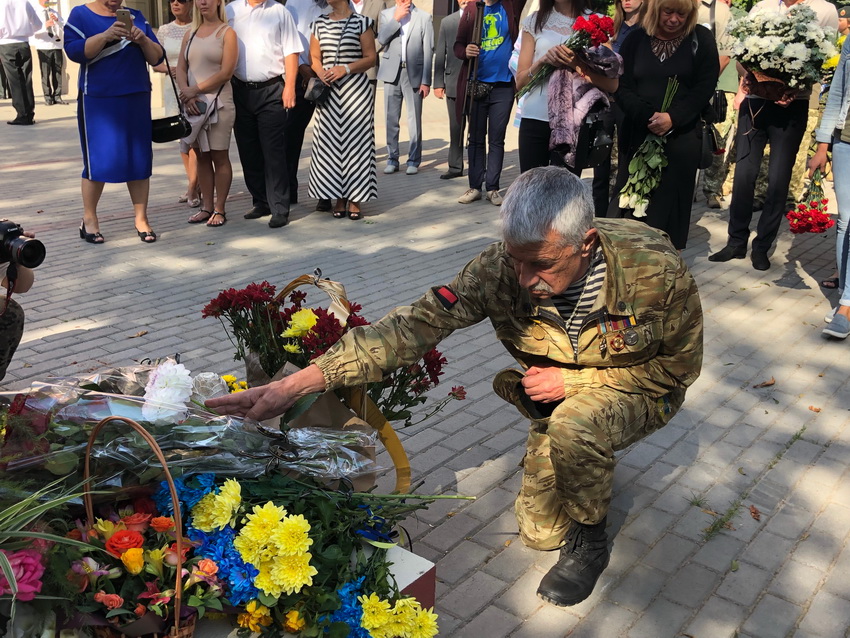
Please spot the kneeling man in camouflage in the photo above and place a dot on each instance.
(605, 320)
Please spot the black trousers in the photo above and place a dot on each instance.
(50, 63)
(260, 130)
(457, 124)
(17, 63)
(488, 121)
(4, 85)
(760, 123)
(612, 119)
(534, 147)
(296, 124)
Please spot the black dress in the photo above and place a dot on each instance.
(696, 64)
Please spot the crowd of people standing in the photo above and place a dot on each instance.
(230, 65)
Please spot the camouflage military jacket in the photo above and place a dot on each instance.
(643, 334)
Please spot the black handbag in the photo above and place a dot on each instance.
(480, 90)
(593, 145)
(317, 91)
(717, 106)
(171, 129)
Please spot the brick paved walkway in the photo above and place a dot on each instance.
(732, 446)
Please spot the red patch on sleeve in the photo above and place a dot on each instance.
(446, 296)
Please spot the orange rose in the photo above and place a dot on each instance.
(137, 522)
(75, 535)
(110, 601)
(140, 610)
(123, 540)
(162, 524)
(208, 567)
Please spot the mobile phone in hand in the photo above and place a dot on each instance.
(124, 16)
(201, 106)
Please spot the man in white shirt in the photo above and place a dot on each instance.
(406, 37)
(18, 21)
(47, 42)
(263, 90)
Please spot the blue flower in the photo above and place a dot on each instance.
(350, 611)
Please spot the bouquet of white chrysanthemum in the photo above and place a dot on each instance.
(783, 53)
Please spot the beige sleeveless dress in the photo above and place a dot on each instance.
(204, 61)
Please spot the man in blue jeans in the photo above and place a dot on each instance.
(490, 110)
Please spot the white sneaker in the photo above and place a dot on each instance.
(830, 315)
(391, 168)
(495, 198)
(472, 195)
(412, 170)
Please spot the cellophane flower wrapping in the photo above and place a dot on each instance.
(45, 431)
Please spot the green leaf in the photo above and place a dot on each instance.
(119, 612)
(268, 601)
(734, 566)
(338, 630)
(214, 603)
(194, 601)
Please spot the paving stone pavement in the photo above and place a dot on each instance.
(780, 450)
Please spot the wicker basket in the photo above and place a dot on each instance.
(356, 399)
(182, 628)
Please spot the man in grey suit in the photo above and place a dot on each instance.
(406, 40)
(446, 72)
(371, 9)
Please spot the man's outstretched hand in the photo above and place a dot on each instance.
(273, 399)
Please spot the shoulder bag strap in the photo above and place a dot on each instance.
(209, 106)
(342, 33)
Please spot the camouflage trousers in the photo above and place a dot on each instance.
(11, 331)
(569, 459)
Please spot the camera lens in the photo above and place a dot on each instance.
(26, 251)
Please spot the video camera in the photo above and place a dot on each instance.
(18, 249)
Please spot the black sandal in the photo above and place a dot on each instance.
(147, 236)
(92, 238)
(211, 217)
(339, 214)
(201, 216)
(355, 215)
(830, 284)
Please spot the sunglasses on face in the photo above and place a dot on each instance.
(180, 1)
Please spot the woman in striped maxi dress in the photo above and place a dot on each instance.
(343, 165)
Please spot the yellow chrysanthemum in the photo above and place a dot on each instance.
(260, 526)
(134, 559)
(202, 513)
(403, 616)
(294, 348)
(291, 536)
(424, 624)
(294, 622)
(226, 504)
(376, 612)
(255, 617)
(243, 385)
(300, 323)
(291, 573)
(228, 379)
(265, 582)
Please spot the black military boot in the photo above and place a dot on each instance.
(583, 559)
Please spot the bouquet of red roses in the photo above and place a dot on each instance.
(591, 31)
(810, 215)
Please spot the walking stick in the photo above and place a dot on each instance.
(477, 28)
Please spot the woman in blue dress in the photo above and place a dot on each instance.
(114, 110)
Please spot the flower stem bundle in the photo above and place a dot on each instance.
(647, 164)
